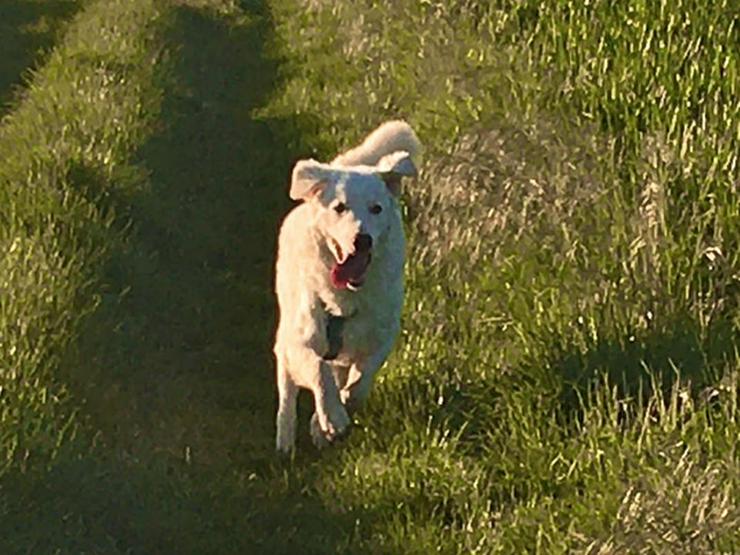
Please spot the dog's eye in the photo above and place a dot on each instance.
(376, 209)
(340, 207)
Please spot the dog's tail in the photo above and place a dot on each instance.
(390, 137)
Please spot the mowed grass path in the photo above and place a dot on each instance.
(567, 379)
(163, 393)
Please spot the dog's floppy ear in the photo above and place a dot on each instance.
(309, 178)
(395, 166)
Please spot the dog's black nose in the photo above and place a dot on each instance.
(363, 242)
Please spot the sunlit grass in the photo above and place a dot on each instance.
(574, 242)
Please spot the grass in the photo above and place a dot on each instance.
(567, 379)
(28, 29)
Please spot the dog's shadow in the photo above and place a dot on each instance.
(177, 373)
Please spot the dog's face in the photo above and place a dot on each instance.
(353, 207)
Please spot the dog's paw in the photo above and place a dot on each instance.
(334, 424)
(284, 443)
(338, 423)
(317, 434)
(349, 400)
(283, 448)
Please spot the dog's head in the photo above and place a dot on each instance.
(353, 207)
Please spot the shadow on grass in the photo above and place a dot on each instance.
(28, 28)
(152, 506)
(638, 362)
(561, 384)
(177, 372)
(517, 419)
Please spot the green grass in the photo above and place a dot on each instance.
(28, 29)
(567, 378)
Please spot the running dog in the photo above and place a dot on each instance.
(339, 279)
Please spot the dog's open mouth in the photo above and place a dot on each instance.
(348, 272)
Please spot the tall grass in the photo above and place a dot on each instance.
(573, 277)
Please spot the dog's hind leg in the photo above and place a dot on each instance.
(286, 414)
(361, 376)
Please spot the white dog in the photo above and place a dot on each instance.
(339, 279)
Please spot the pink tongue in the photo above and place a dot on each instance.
(351, 270)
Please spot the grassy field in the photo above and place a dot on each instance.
(567, 379)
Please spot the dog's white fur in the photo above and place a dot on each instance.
(313, 238)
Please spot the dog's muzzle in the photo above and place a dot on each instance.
(350, 273)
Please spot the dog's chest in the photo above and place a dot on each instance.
(357, 324)
(352, 338)
(346, 319)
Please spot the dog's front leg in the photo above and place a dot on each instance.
(311, 372)
(331, 414)
(286, 416)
